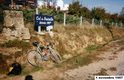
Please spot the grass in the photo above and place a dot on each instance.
(72, 39)
(91, 48)
(25, 71)
(75, 62)
(17, 43)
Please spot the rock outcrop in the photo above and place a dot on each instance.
(14, 26)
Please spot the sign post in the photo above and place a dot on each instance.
(64, 18)
(39, 27)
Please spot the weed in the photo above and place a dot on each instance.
(91, 48)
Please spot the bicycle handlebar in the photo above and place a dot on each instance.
(36, 44)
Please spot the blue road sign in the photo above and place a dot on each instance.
(44, 20)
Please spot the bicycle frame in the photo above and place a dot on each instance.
(38, 49)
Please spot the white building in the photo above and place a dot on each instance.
(59, 4)
(54, 3)
(65, 8)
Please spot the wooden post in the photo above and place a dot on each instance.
(112, 23)
(93, 22)
(64, 18)
(81, 21)
(121, 24)
(116, 24)
(100, 22)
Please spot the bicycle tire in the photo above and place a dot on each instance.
(55, 56)
(34, 58)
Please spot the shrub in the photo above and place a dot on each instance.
(29, 15)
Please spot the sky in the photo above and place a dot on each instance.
(111, 6)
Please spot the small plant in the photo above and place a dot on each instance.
(91, 48)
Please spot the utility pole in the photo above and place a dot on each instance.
(81, 20)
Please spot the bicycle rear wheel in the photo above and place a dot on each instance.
(34, 58)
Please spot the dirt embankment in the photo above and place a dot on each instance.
(74, 40)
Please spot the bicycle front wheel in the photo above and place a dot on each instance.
(55, 56)
(34, 58)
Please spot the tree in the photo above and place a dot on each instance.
(85, 12)
(98, 13)
(114, 17)
(74, 8)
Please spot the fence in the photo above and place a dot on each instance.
(64, 18)
(71, 19)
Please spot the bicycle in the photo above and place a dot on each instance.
(42, 53)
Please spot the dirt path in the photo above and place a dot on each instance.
(111, 63)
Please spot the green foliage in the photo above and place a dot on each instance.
(4, 7)
(85, 12)
(29, 15)
(48, 11)
(74, 8)
(114, 18)
(73, 19)
(98, 13)
(59, 17)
